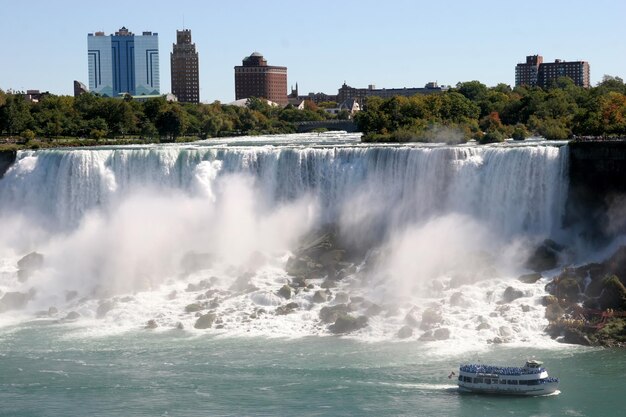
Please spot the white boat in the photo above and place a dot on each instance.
(531, 379)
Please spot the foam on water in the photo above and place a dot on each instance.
(448, 224)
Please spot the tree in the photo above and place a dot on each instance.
(171, 122)
(15, 115)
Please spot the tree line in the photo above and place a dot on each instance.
(156, 119)
(471, 110)
(490, 114)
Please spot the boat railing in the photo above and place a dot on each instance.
(500, 370)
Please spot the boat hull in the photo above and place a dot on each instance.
(545, 389)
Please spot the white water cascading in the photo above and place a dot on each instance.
(121, 218)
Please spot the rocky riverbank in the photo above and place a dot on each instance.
(587, 304)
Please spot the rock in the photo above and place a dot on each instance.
(549, 299)
(497, 340)
(554, 312)
(613, 295)
(319, 296)
(431, 317)
(483, 326)
(346, 323)
(427, 336)
(410, 319)
(53, 311)
(71, 316)
(511, 294)
(458, 300)
(298, 282)
(405, 332)
(329, 314)
(575, 337)
(285, 291)
(214, 303)
(373, 310)
(441, 334)
(286, 309)
(152, 324)
(341, 298)
(104, 308)
(194, 307)
(200, 286)
(33, 261)
(179, 326)
(70, 295)
(526, 308)
(545, 256)
(194, 261)
(24, 274)
(505, 331)
(205, 321)
(530, 278)
(14, 300)
(328, 283)
(242, 283)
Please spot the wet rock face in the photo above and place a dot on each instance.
(405, 332)
(530, 278)
(431, 318)
(346, 323)
(330, 314)
(28, 265)
(545, 256)
(511, 294)
(14, 301)
(205, 321)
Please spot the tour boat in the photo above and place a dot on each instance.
(531, 379)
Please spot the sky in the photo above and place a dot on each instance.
(323, 43)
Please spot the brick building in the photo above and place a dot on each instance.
(185, 70)
(535, 72)
(254, 78)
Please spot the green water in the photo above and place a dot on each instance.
(51, 371)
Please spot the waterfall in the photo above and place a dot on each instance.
(516, 189)
(437, 223)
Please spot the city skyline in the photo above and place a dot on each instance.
(400, 44)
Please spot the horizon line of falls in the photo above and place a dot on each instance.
(119, 220)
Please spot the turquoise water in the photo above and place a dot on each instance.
(49, 370)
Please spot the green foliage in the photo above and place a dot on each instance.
(492, 136)
(519, 132)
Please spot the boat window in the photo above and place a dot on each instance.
(512, 382)
(467, 379)
(503, 381)
(460, 378)
(487, 381)
(478, 380)
(533, 382)
(522, 382)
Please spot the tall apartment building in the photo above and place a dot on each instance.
(526, 73)
(123, 63)
(535, 72)
(254, 78)
(184, 65)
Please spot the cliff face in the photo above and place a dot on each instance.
(6, 160)
(597, 191)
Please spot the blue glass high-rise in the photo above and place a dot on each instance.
(123, 63)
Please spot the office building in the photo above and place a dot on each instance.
(185, 71)
(123, 63)
(254, 78)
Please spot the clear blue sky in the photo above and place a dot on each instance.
(389, 43)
